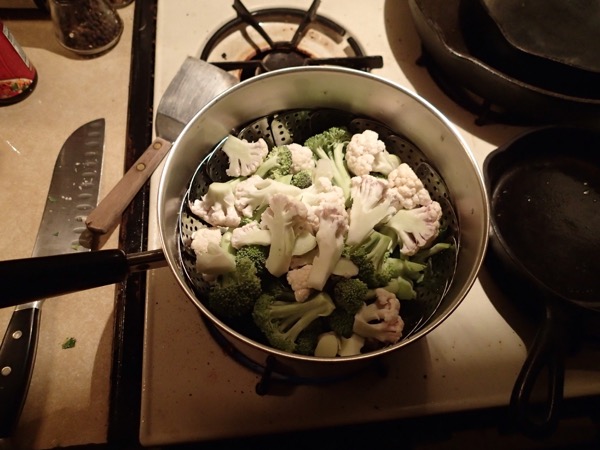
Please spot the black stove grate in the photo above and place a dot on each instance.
(281, 54)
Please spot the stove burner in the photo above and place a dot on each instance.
(268, 39)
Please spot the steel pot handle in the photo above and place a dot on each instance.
(546, 352)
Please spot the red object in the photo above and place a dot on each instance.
(18, 76)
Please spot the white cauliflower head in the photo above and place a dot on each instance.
(405, 189)
(217, 206)
(255, 192)
(381, 319)
(365, 153)
(416, 228)
(302, 158)
(244, 157)
(298, 281)
(370, 206)
(322, 193)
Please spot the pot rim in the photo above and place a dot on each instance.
(173, 257)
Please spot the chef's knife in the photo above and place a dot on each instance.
(72, 194)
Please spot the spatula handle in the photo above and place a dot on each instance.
(107, 215)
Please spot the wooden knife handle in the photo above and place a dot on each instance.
(107, 215)
(17, 355)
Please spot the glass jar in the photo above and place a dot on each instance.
(86, 27)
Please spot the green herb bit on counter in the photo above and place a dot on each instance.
(69, 343)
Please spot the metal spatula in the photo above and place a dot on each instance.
(194, 85)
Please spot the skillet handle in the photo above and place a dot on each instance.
(29, 279)
(546, 352)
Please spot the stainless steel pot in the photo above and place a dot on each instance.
(350, 90)
(356, 92)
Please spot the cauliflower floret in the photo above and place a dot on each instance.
(217, 206)
(416, 228)
(333, 225)
(351, 346)
(322, 192)
(370, 206)
(213, 255)
(381, 319)
(285, 218)
(202, 237)
(406, 190)
(244, 157)
(250, 234)
(255, 193)
(302, 158)
(298, 280)
(365, 153)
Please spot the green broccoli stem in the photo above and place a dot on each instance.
(268, 165)
(298, 316)
(341, 177)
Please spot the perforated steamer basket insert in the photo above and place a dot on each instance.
(296, 126)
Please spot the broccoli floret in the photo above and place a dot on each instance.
(245, 221)
(307, 340)
(341, 322)
(255, 253)
(416, 228)
(425, 254)
(244, 157)
(350, 294)
(277, 164)
(401, 267)
(302, 179)
(282, 322)
(402, 288)
(369, 257)
(234, 294)
(403, 274)
(330, 145)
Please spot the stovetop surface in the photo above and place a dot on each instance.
(194, 391)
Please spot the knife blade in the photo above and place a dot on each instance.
(73, 192)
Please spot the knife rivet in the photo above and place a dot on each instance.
(17, 334)
(6, 371)
(140, 167)
(157, 146)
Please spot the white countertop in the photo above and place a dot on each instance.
(69, 393)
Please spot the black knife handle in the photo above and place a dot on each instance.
(29, 279)
(17, 355)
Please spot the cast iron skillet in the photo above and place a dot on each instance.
(545, 204)
(440, 25)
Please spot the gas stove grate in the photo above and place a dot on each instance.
(274, 53)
